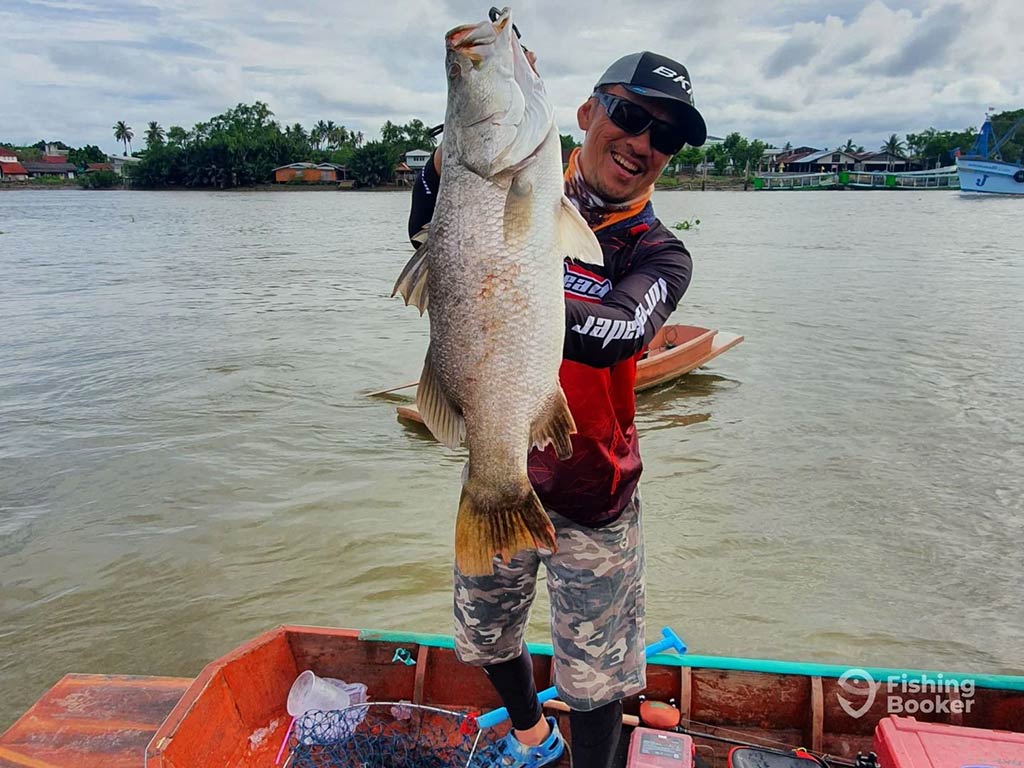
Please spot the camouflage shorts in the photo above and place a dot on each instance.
(596, 584)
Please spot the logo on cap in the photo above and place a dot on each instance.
(674, 76)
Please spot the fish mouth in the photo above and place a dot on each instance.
(466, 37)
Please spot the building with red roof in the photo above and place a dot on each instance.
(10, 168)
(12, 171)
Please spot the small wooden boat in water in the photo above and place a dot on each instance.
(233, 713)
(678, 349)
(674, 351)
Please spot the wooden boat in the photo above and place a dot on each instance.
(674, 351)
(678, 349)
(233, 713)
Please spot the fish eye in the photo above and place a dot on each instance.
(454, 70)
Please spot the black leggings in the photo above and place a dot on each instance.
(595, 734)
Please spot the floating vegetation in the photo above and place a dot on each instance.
(687, 224)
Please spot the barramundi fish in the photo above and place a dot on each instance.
(489, 275)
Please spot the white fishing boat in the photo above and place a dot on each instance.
(984, 170)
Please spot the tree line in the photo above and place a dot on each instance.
(742, 153)
(929, 149)
(242, 146)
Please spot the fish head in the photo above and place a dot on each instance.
(498, 112)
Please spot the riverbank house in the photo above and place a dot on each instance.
(417, 158)
(50, 165)
(311, 173)
(882, 162)
(10, 168)
(404, 174)
(819, 161)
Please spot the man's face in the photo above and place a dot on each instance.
(617, 165)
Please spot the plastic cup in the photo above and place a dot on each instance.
(322, 694)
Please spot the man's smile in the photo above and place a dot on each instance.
(626, 164)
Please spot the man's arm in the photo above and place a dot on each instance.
(424, 194)
(628, 317)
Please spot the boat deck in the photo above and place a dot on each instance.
(232, 715)
(92, 721)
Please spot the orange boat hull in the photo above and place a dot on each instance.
(233, 714)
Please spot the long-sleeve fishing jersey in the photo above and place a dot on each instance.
(612, 313)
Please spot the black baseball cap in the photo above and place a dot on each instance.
(659, 77)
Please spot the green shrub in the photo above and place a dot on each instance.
(99, 180)
(51, 181)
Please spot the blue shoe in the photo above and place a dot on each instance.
(511, 753)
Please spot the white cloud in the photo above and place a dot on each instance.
(811, 72)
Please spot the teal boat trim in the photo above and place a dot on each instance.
(768, 666)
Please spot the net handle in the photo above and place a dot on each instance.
(669, 641)
(284, 741)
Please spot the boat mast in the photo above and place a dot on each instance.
(1006, 136)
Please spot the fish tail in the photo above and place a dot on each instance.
(498, 523)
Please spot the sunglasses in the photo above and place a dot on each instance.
(634, 119)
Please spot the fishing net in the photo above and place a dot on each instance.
(387, 735)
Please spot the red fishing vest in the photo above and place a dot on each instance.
(598, 481)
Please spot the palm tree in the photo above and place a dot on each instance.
(155, 134)
(850, 147)
(123, 132)
(339, 136)
(330, 133)
(318, 134)
(419, 135)
(296, 131)
(894, 146)
(177, 136)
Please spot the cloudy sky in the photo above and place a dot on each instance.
(807, 71)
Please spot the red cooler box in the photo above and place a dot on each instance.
(903, 742)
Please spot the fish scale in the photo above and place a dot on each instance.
(490, 278)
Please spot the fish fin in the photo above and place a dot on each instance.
(554, 426)
(518, 210)
(420, 237)
(574, 238)
(495, 523)
(440, 415)
(412, 283)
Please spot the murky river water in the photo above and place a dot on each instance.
(187, 458)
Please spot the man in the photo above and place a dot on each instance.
(640, 114)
